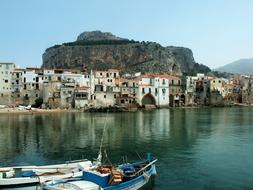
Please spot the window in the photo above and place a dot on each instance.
(101, 74)
(149, 90)
(94, 97)
(172, 81)
(6, 81)
(143, 90)
(104, 96)
(156, 91)
(37, 95)
(107, 74)
(114, 74)
(85, 96)
(24, 86)
(24, 79)
(163, 81)
(115, 96)
(179, 82)
(164, 91)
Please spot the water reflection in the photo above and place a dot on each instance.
(197, 148)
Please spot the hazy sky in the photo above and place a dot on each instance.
(218, 31)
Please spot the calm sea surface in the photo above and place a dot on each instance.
(196, 148)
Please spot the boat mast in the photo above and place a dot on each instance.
(99, 158)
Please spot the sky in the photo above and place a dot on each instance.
(217, 31)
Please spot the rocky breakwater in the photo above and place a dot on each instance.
(97, 50)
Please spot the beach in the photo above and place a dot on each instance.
(34, 111)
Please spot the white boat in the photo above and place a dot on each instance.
(30, 175)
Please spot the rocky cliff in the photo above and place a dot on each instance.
(98, 50)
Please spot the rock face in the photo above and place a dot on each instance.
(98, 51)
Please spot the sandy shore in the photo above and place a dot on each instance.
(34, 111)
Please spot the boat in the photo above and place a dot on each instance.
(106, 177)
(32, 175)
(124, 177)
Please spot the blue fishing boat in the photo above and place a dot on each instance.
(124, 177)
(106, 177)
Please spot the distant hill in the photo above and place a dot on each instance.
(242, 66)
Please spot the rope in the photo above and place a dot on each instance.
(138, 155)
(107, 157)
